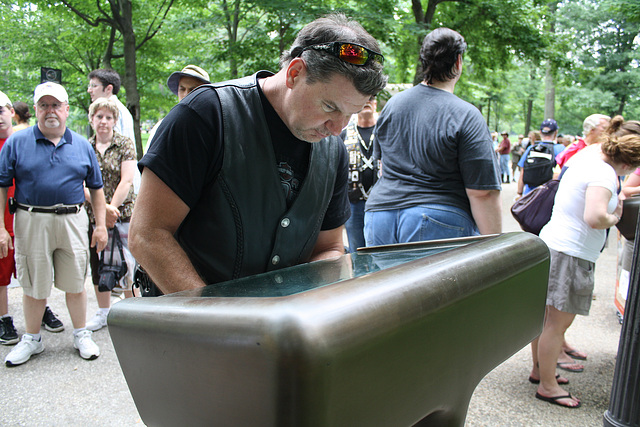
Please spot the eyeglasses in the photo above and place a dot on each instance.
(348, 52)
(93, 86)
(56, 106)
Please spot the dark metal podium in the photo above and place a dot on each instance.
(390, 336)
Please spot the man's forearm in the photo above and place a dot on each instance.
(4, 194)
(164, 260)
(329, 244)
(486, 208)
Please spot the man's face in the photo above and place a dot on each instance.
(313, 112)
(602, 125)
(186, 85)
(51, 113)
(370, 107)
(6, 128)
(97, 90)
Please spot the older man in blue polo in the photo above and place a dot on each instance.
(50, 165)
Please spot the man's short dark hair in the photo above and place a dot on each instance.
(439, 53)
(107, 77)
(367, 79)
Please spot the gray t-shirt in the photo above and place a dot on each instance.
(433, 146)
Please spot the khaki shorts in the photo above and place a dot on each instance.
(571, 282)
(51, 248)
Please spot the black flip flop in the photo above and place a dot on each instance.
(535, 381)
(574, 355)
(554, 400)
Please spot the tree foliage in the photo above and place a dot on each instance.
(592, 54)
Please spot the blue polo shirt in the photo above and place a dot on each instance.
(46, 174)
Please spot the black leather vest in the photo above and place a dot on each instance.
(241, 225)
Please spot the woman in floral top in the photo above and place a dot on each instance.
(117, 159)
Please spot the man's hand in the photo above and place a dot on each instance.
(112, 215)
(99, 238)
(6, 242)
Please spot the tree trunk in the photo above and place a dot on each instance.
(527, 123)
(549, 81)
(130, 75)
(621, 105)
(549, 94)
(423, 19)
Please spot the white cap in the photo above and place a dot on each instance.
(4, 100)
(52, 89)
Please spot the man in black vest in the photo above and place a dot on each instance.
(249, 176)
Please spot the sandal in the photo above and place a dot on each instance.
(559, 379)
(576, 354)
(555, 399)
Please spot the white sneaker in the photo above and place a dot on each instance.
(98, 321)
(22, 352)
(84, 343)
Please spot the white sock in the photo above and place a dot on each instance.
(36, 337)
(104, 311)
(77, 331)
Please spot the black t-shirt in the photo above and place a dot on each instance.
(188, 149)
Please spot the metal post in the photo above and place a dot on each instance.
(624, 406)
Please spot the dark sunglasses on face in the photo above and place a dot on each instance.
(348, 52)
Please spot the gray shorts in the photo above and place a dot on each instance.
(571, 282)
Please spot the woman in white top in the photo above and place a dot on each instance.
(586, 204)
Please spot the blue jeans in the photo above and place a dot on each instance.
(417, 224)
(355, 226)
(504, 165)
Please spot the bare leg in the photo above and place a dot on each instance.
(4, 301)
(103, 298)
(535, 369)
(33, 312)
(77, 306)
(549, 348)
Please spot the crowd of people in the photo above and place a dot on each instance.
(264, 172)
(75, 192)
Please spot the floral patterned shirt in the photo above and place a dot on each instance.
(120, 150)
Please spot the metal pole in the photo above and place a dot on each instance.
(624, 406)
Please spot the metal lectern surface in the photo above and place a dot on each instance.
(378, 338)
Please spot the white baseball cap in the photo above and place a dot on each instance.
(4, 100)
(52, 89)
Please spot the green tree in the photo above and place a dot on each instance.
(118, 16)
(604, 74)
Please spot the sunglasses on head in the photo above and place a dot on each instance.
(348, 52)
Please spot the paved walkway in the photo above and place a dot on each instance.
(58, 388)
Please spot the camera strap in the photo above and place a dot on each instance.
(115, 240)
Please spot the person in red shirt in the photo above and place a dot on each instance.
(503, 151)
(8, 333)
